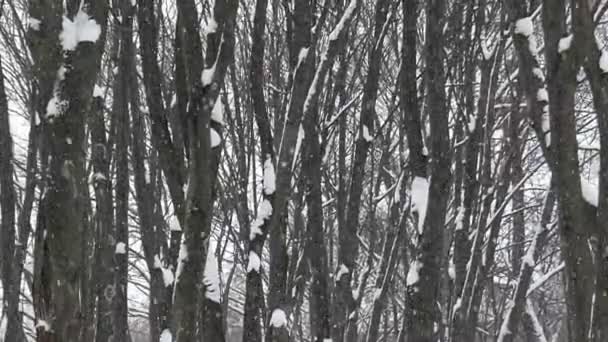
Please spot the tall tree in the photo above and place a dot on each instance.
(74, 60)
(423, 276)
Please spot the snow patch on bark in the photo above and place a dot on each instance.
(264, 213)
(457, 305)
(216, 140)
(211, 26)
(33, 23)
(97, 91)
(212, 278)
(604, 62)
(98, 176)
(590, 192)
(81, 29)
(524, 26)
(168, 277)
(121, 248)
(542, 95)
(302, 55)
(452, 270)
(564, 44)
(208, 74)
(278, 318)
(377, 293)
(366, 134)
(166, 336)
(265, 210)
(55, 107)
(413, 275)
(342, 270)
(269, 177)
(255, 229)
(420, 194)
(40, 324)
(538, 73)
(472, 123)
(217, 114)
(254, 262)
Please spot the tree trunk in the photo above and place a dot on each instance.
(205, 152)
(120, 111)
(518, 309)
(348, 249)
(254, 295)
(7, 207)
(102, 222)
(63, 212)
(424, 291)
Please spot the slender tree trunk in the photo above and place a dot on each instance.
(7, 207)
(348, 250)
(600, 100)
(103, 221)
(14, 328)
(519, 303)
(170, 159)
(424, 292)
(254, 295)
(120, 111)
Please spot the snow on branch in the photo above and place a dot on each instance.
(542, 280)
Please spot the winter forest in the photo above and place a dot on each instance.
(304, 170)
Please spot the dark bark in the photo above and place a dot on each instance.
(102, 221)
(574, 225)
(120, 111)
(254, 295)
(7, 207)
(153, 237)
(423, 294)
(518, 220)
(599, 88)
(64, 210)
(315, 246)
(518, 301)
(14, 328)
(474, 281)
(170, 161)
(204, 159)
(345, 328)
(475, 132)
(301, 58)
